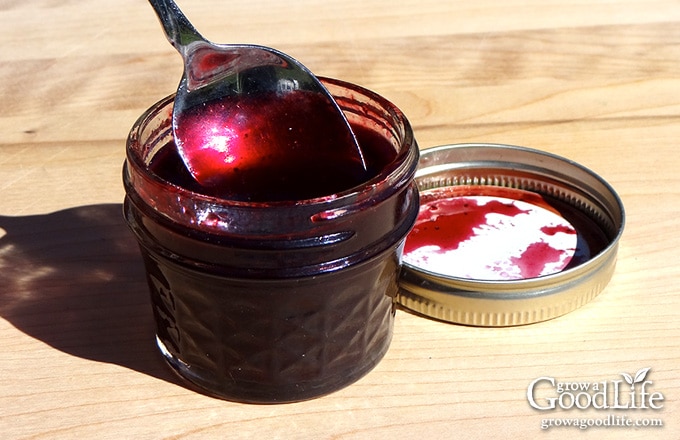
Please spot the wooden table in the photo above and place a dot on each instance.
(595, 81)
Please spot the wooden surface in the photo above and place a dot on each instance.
(596, 81)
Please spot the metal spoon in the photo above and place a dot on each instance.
(245, 111)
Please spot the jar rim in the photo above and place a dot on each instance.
(219, 216)
(397, 166)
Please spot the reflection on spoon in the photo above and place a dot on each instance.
(242, 111)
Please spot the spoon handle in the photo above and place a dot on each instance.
(179, 31)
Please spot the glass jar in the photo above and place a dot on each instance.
(282, 301)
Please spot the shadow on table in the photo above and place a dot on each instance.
(74, 279)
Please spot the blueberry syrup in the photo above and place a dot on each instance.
(492, 233)
(538, 256)
(265, 184)
(270, 146)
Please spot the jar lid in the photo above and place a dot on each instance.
(507, 235)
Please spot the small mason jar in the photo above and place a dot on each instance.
(274, 302)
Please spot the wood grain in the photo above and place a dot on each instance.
(594, 81)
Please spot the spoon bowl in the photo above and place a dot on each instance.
(248, 114)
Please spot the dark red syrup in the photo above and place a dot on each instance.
(452, 219)
(455, 221)
(273, 147)
(263, 184)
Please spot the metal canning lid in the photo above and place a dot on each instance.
(507, 235)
